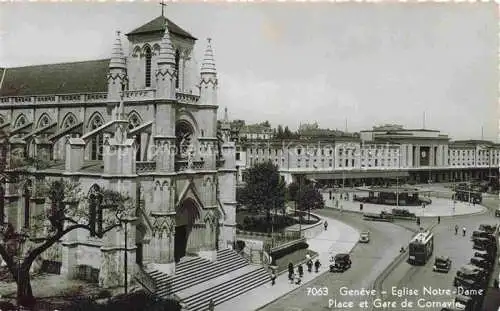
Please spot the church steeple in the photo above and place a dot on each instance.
(167, 53)
(166, 75)
(117, 75)
(208, 81)
(208, 65)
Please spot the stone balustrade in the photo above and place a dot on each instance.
(55, 99)
(185, 98)
(182, 165)
(101, 97)
(139, 95)
(145, 166)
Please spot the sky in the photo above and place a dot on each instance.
(293, 63)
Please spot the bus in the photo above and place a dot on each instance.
(421, 248)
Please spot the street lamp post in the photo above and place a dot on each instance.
(125, 220)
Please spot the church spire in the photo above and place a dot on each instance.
(117, 56)
(167, 53)
(208, 65)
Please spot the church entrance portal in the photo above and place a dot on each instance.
(186, 215)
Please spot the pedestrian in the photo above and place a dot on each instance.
(495, 283)
(309, 265)
(290, 271)
(292, 278)
(273, 277)
(456, 229)
(439, 219)
(360, 206)
(326, 225)
(317, 264)
(464, 231)
(211, 305)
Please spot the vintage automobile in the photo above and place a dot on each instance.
(491, 229)
(364, 237)
(480, 234)
(340, 263)
(442, 264)
(485, 255)
(464, 303)
(469, 276)
(481, 263)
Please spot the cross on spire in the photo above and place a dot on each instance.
(163, 5)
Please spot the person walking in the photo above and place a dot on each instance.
(211, 305)
(273, 277)
(298, 280)
(300, 270)
(439, 219)
(464, 231)
(326, 225)
(290, 271)
(456, 229)
(309, 265)
(317, 264)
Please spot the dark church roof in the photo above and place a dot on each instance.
(158, 25)
(64, 78)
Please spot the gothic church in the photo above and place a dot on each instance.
(138, 123)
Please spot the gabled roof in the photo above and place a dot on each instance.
(158, 25)
(64, 78)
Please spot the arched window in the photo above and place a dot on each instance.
(134, 121)
(177, 60)
(69, 121)
(44, 121)
(97, 142)
(20, 121)
(95, 210)
(184, 135)
(148, 66)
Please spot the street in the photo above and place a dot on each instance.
(368, 261)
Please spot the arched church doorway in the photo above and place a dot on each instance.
(186, 215)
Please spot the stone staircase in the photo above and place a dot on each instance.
(198, 280)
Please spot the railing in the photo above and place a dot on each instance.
(185, 98)
(143, 278)
(183, 165)
(55, 99)
(145, 166)
(139, 94)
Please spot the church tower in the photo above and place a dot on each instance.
(117, 74)
(208, 82)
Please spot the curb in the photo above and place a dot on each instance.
(485, 210)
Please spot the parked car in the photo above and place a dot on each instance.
(497, 212)
(464, 303)
(480, 234)
(364, 237)
(485, 255)
(481, 263)
(442, 264)
(491, 229)
(470, 276)
(341, 263)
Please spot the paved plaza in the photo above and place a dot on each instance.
(439, 207)
(339, 238)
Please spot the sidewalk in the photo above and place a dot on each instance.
(439, 207)
(339, 238)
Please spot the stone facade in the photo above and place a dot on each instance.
(148, 131)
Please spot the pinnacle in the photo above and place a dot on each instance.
(117, 56)
(208, 65)
(167, 53)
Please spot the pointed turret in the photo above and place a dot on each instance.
(166, 74)
(117, 75)
(208, 82)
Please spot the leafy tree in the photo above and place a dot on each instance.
(19, 249)
(264, 190)
(279, 132)
(287, 134)
(310, 198)
(266, 124)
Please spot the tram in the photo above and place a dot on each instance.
(421, 248)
